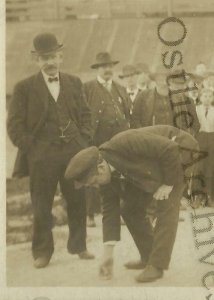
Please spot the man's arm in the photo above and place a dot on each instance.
(85, 113)
(17, 119)
(136, 145)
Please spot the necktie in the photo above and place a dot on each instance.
(107, 85)
(206, 112)
(52, 79)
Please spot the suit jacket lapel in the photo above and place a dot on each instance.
(67, 90)
(41, 90)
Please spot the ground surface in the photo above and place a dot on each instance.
(67, 270)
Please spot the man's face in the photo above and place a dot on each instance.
(106, 72)
(131, 81)
(208, 83)
(102, 177)
(193, 94)
(206, 97)
(50, 63)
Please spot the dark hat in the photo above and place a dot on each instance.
(129, 70)
(83, 164)
(45, 43)
(102, 59)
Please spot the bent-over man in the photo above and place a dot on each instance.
(139, 164)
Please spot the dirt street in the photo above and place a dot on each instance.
(68, 270)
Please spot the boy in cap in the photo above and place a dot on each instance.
(49, 121)
(139, 164)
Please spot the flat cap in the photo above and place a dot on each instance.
(81, 165)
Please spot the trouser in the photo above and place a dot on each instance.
(47, 164)
(134, 212)
(155, 245)
(92, 201)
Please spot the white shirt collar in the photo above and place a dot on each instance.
(135, 91)
(46, 77)
(102, 81)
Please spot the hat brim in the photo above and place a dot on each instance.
(95, 66)
(57, 48)
(121, 76)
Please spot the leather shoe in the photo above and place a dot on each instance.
(86, 255)
(41, 262)
(135, 265)
(149, 274)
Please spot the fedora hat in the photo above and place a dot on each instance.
(102, 59)
(128, 70)
(44, 43)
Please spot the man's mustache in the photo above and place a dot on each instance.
(50, 67)
(108, 73)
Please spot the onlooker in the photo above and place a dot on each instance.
(130, 78)
(110, 107)
(50, 121)
(205, 112)
(153, 107)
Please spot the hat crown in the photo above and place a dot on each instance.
(103, 57)
(129, 69)
(45, 42)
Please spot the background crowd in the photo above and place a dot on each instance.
(150, 103)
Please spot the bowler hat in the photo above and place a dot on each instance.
(83, 164)
(129, 70)
(102, 59)
(45, 43)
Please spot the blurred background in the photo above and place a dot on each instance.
(125, 28)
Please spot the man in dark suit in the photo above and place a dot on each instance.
(49, 121)
(109, 104)
(161, 106)
(130, 77)
(139, 164)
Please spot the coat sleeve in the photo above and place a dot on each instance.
(17, 119)
(135, 145)
(85, 113)
(196, 125)
(139, 111)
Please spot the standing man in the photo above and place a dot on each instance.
(109, 104)
(130, 77)
(167, 104)
(49, 121)
(108, 101)
(139, 164)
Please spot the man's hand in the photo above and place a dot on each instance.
(163, 192)
(106, 268)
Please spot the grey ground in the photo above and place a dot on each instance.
(68, 270)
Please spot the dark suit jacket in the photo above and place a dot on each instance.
(143, 110)
(96, 99)
(29, 106)
(147, 158)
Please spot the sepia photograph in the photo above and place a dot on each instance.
(109, 138)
